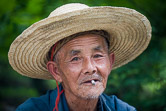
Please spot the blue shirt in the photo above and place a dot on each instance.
(47, 103)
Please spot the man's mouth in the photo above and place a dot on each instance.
(91, 82)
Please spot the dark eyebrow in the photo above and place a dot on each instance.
(98, 48)
(74, 52)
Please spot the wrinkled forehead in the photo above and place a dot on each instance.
(83, 46)
(61, 43)
(86, 42)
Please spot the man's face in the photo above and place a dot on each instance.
(82, 60)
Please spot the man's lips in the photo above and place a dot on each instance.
(90, 81)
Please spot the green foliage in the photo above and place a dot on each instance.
(141, 83)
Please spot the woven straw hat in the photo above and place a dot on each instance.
(130, 35)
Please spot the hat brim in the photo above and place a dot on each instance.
(130, 35)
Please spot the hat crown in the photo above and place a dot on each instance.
(67, 8)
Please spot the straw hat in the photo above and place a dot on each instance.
(130, 35)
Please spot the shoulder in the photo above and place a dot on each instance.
(114, 103)
(41, 103)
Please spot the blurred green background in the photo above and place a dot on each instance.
(141, 83)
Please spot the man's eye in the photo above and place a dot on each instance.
(75, 59)
(97, 56)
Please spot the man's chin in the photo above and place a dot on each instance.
(91, 92)
(91, 97)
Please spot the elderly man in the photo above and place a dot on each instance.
(78, 46)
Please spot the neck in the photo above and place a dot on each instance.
(81, 104)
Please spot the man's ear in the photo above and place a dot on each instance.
(112, 59)
(53, 69)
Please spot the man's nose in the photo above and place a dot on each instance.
(89, 66)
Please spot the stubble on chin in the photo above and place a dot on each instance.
(90, 92)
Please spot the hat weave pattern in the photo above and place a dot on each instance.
(130, 35)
